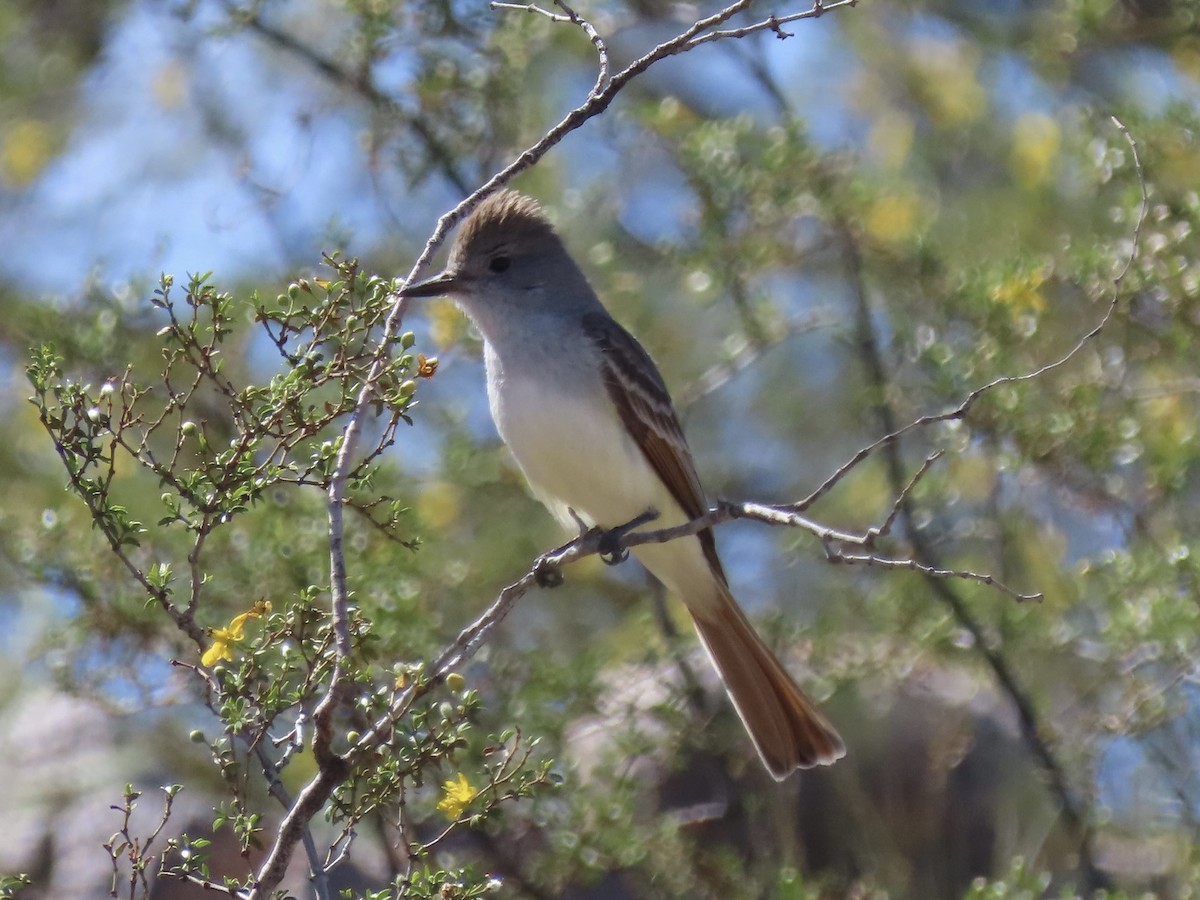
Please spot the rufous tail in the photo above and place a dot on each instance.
(787, 729)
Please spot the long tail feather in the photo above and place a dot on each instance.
(787, 729)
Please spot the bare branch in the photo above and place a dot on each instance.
(883, 562)
(575, 19)
(959, 412)
(902, 497)
(1143, 211)
(294, 827)
(205, 883)
(319, 872)
(773, 23)
(529, 8)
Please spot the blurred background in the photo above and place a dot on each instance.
(819, 238)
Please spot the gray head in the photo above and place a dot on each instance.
(507, 253)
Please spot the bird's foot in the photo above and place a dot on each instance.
(611, 550)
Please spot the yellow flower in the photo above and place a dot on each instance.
(235, 633)
(459, 794)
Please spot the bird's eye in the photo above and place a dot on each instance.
(499, 263)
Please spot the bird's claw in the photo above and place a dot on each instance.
(611, 551)
(610, 547)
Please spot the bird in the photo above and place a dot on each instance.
(587, 416)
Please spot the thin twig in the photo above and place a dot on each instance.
(773, 23)
(573, 18)
(596, 103)
(962, 409)
(831, 539)
(903, 496)
(958, 413)
(529, 8)
(912, 565)
(1145, 204)
(206, 883)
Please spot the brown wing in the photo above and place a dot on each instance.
(640, 396)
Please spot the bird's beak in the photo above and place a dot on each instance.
(437, 286)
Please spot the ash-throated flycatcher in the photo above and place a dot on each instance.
(585, 412)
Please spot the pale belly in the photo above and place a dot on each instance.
(576, 455)
(579, 457)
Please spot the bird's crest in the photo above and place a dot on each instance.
(503, 218)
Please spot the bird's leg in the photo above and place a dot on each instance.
(610, 547)
(546, 570)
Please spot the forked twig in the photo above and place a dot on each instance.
(960, 411)
(573, 18)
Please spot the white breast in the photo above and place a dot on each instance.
(566, 436)
(573, 449)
